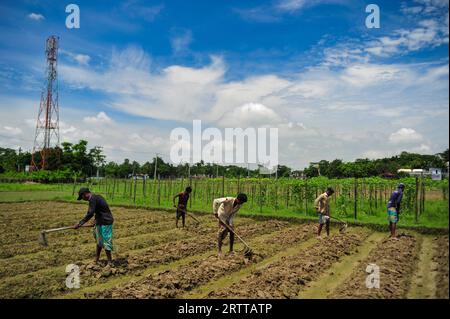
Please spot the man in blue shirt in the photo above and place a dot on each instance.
(393, 208)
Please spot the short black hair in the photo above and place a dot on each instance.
(242, 197)
(330, 190)
(82, 191)
(188, 189)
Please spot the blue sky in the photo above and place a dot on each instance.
(137, 69)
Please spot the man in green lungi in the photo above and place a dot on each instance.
(103, 229)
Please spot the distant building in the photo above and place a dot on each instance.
(418, 172)
(388, 175)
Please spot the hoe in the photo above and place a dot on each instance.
(344, 225)
(43, 235)
(248, 252)
(196, 220)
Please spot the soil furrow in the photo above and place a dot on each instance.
(441, 259)
(396, 260)
(46, 283)
(286, 277)
(174, 282)
(339, 272)
(423, 283)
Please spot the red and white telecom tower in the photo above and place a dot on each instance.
(47, 125)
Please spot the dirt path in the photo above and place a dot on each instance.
(339, 272)
(423, 284)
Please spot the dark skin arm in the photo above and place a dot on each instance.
(178, 195)
(88, 216)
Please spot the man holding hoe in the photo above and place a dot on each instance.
(103, 229)
(183, 198)
(224, 210)
(393, 209)
(322, 205)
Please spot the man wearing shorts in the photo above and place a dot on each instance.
(103, 230)
(393, 209)
(224, 210)
(183, 198)
(322, 205)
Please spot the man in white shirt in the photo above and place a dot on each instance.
(224, 209)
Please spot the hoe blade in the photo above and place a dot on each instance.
(248, 253)
(43, 238)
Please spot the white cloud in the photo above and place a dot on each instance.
(10, 131)
(374, 154)
(250, 115)
(82, 59)
(343, 55)
(180, 41)
(369, 74)
(100, 118)
(405, 136)
(258, 14)
(422, 148)
(291, 5)
(134, 8)
(273, 12)
(348, 107)
(431, 30)
(36, 16)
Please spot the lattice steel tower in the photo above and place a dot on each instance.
(47, 125)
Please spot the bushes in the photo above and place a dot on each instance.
(41, 176)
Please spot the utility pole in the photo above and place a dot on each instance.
(18, 159)
(156, 165)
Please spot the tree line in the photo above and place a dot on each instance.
(77, 159)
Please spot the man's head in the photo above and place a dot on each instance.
(241, 198)
(84, 193)
(188, 189)
(401, 186)
(330, 191)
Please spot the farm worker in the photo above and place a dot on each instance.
(393, 208)
(183, 198)
(322, 205)
(103, 229)
(224, 210)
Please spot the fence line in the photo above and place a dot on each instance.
(351, 198)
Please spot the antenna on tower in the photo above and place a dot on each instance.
(47, 125)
